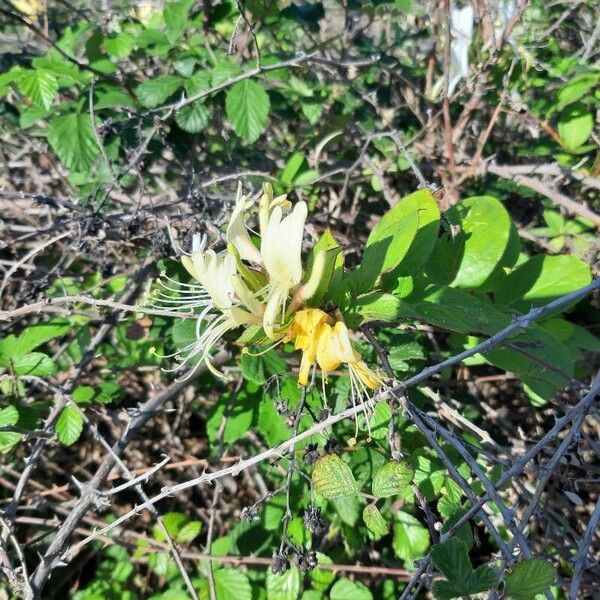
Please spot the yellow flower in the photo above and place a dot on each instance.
(329, 346)
(304, 331)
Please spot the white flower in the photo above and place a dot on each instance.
(280, 249)
(461, 25)
(237, 232)
(218, 279)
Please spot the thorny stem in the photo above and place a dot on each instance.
(291, 469)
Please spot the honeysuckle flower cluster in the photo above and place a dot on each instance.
(264, 290)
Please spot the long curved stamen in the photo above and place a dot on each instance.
(203, 346)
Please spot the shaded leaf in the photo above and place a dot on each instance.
(72, 138)
(155, 91)
(194, 117)
(528, 578)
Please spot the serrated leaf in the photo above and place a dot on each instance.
(173, 522)
(32, 363)
(83, 394)
(528, 578)
(332, 478)
(391, 479)
(232, 584)
(253, 368)
(69, 425)
(452, 560)
(120, 46)
(189, 532)
(40, 86)
(155, 91)
(285, 586)
(36, 335)
(30, 115)
(194, 117)
(374, 520)
(72, 138)
(346, 589)
(176, 18)
(247, 106)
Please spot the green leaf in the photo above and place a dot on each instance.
(189, 532)
(72, 138)
(271, 424)
(374, 520)
(401, 241)
(224, 71)
(30, 115)
(69, 425)
(452, 559)
(346, 589)
(332, 478)
(542, 279)
(194, 117)
(119, 46)
(321, 579)
(238, 421)
(176, 18)
(232, 584)
(9, 415)
(575, 125)
(253, 368)
(36, 335)
(83, 394)
(39, 85)
(348, 509)
(173, 522)
(32, 363)
(155, 91)
(377, 306)
(183, 332)
(285, 586)
(411, 539)
(258, 367)
(391, 479)
(576, 89)
(111, 97)
(247, 106)
(292, 167)
(459, 311)
(481, 246)
(528, 578)
(11, 76)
